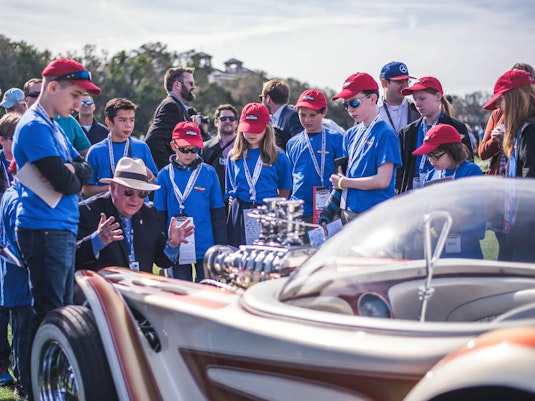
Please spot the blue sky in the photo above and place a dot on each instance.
(465, 44)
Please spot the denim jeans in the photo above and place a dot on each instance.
(49, 256)
(20, 321)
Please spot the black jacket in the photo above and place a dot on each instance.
(149, 239)
(167, 115)
(408, 137)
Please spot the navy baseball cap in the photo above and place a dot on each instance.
(395, 70)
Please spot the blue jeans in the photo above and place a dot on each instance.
(49, 256)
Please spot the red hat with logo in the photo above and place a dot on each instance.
(438, 135)
(510, 80)
(422, 84)
(67, 69)
(312, 99)
(355, 84)
(254, 118)
(187, 133)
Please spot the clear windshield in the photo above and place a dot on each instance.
(492, 218)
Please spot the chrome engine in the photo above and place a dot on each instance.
(278, 251)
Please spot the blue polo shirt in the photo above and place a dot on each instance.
(272, 177)
(304, 174)
(205, 196)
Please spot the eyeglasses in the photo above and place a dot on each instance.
(7, 137)
(76, 76)
(34, 94)
(86, 103)
(129, 192)
(355, 102)
(191, 83)
(436, 156)
(225, 118)
(187, 150)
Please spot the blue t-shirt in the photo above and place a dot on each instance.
(377, 147)
(15, 286)
(304, 174)
(98, 157)
(37, 138)
(204, 196)
(272, 177)
(466, 169)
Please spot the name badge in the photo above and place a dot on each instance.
(222, 161)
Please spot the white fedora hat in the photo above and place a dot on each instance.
(131, 173)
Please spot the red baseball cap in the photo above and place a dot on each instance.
(67, 69)
(510, 80)
(436, 136)
(355, 84)
(312, 99)
(187, 133)
(422, 84)
(254, 118)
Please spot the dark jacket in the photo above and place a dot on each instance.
(408, 137)
(167, 115)
(97, 133)
(525, 164)
(149, 239)
(288, 125)
(212, 154)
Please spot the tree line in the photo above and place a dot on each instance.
(138, 75)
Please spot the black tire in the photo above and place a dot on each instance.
(68, 360)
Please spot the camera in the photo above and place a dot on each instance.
(204, 119)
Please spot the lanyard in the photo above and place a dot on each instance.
(59, 137)
(251, 181)
(423, 126)
(129, 229)
(110, 151)
(181, 197)
(363, 133)
(319, 170)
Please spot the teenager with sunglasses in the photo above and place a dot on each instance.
(435, 109)
(372, 148)
(216, 150)
(189, 190)
(104, 156)
(117, 228)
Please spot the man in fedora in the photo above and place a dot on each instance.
(117, 228)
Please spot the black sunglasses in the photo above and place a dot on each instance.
(186, 150)
(75, 76)
(8, 137)
(34, 94)
(225, 118)
(355, 102)
(129, 192)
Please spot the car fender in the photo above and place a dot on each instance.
(120, 338)
(499, 361)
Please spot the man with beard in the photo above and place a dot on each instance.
(216, 150)
(179, 84)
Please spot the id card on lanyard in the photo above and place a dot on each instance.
(187, 250)
(320, 196)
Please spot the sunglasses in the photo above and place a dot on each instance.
(75, 76)
(436, 156)
(186, 150)
(128, 192)
(225, 118)
(355, 102)
(86, 103)
(7, 137)
(34, 94)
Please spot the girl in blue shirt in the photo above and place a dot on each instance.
(256, 169)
